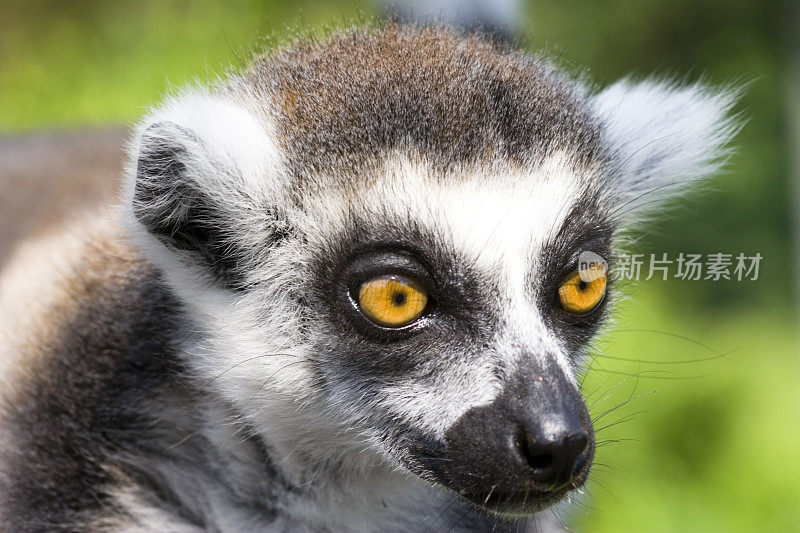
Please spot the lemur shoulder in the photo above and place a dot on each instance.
(340, 295)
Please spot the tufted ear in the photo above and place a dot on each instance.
(202, 181)
(665, 137)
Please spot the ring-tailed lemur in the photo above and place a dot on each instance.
(352, 302)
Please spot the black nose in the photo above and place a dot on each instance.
(524, 450)
(553, 452)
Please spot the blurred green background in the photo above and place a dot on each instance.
(710, 439)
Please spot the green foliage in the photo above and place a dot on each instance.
(93, 62)
(698, 446)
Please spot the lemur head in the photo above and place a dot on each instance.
(377, 236)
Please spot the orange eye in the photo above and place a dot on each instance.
(392, 301)
(580, 297)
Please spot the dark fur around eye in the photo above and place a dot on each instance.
(585, 229)
(460, 296)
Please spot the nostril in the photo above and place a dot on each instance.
(537, 459)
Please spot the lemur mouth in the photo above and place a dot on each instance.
(514, 500)
(515, 504)
(523, 501)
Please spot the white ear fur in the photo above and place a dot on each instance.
(203, 173)
(227, 137)
(666, 137)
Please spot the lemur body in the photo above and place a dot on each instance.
(210, 362)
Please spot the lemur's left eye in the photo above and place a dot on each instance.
(392, 301)
(581, 297)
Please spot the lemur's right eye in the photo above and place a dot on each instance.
(392, 301)
(581, 297)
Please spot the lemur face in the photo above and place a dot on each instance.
(439, 319)
(378, 237)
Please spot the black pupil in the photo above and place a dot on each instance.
(582, 285)
(399, 298)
